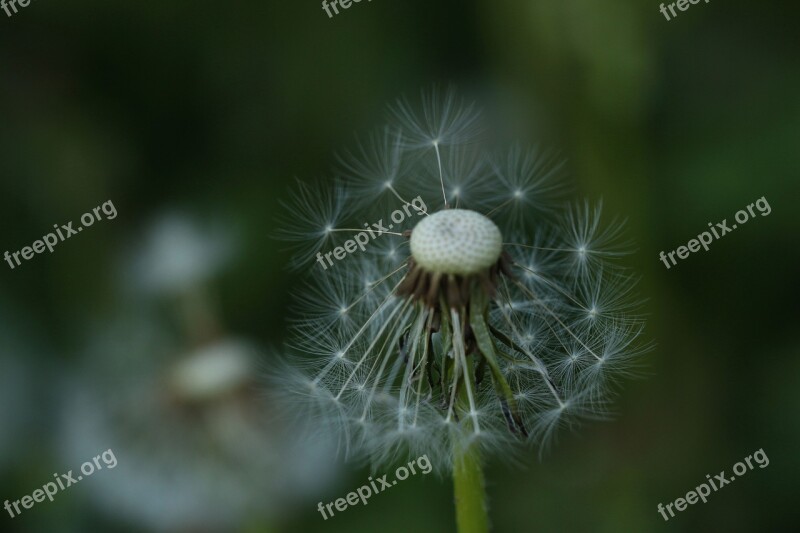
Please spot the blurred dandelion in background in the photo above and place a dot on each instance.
(177, 398)
(492, 317)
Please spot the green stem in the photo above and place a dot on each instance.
(470, 492)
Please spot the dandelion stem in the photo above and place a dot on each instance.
(470, 491)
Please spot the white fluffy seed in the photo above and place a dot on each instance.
(456, 241)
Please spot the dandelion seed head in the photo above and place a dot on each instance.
(456, 241)
(499, 318)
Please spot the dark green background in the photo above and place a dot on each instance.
(213, 107)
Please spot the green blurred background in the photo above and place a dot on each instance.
(210, 109)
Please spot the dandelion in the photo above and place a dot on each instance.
(484, 323)
(175, 395)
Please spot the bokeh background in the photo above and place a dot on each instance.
(149, 333)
